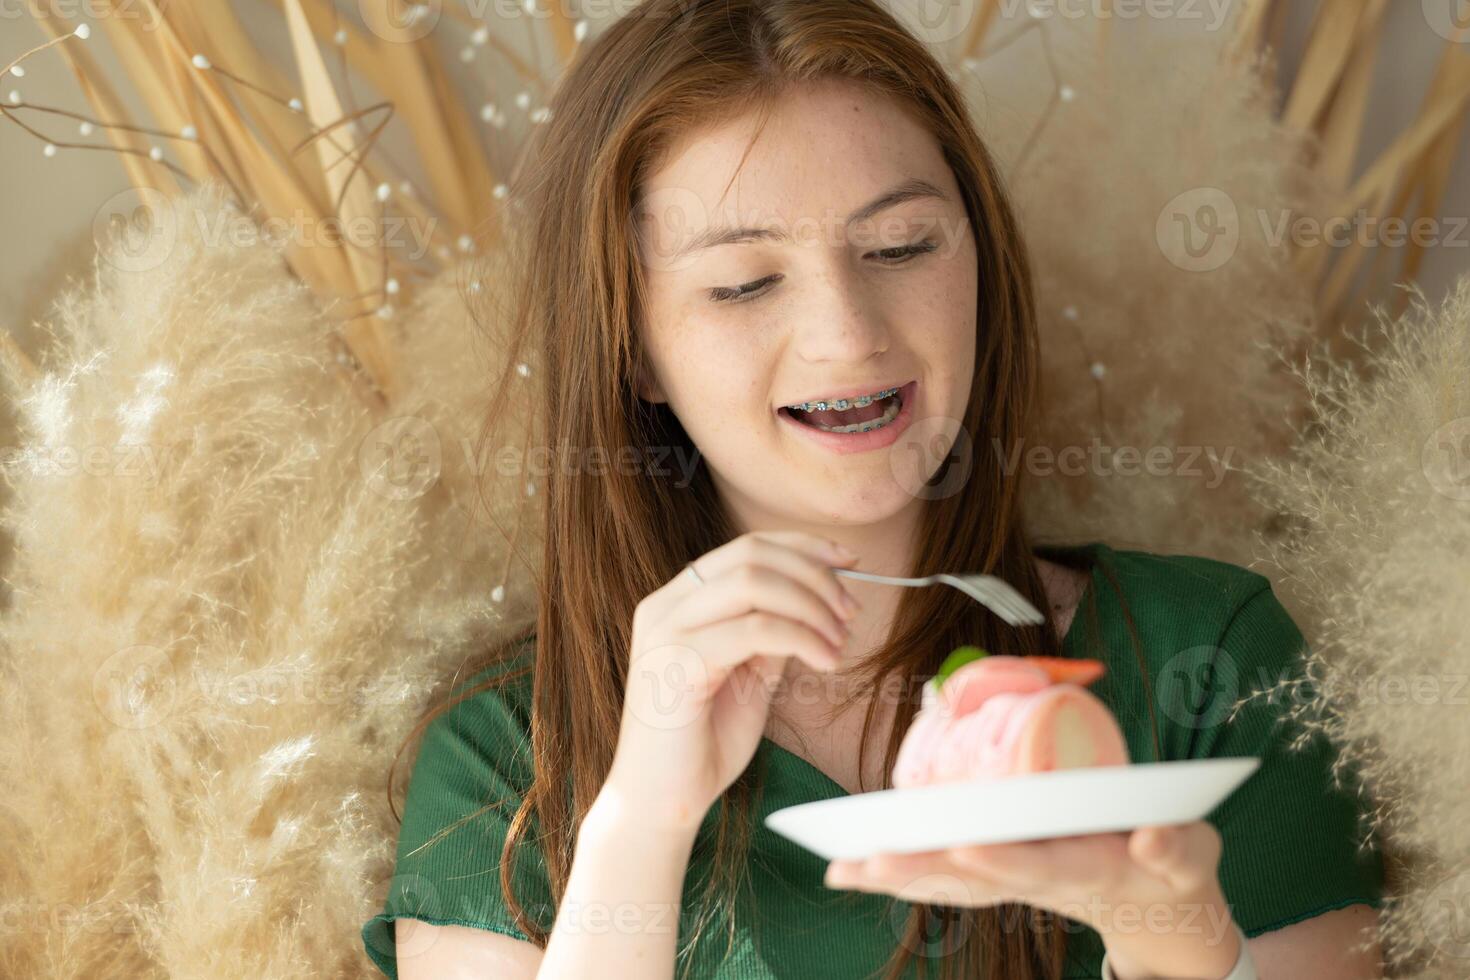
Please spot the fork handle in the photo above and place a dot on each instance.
(885, 579)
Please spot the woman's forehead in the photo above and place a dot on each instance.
(814, 136)
(816, 160)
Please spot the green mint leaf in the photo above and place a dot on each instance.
(957, 658)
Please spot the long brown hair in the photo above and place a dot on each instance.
(613, 536)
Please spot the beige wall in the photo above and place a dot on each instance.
(47, 205)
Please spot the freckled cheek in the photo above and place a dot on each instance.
(940, 310)
(940, 306)
(725, 375)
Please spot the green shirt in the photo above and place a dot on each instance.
(1210, 631)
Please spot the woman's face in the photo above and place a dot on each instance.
(736, 330)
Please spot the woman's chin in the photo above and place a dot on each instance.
(869, 504)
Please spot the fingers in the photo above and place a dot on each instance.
(724, 645)
(802, 557)
(1186, 856)
(1051, 873)
(1089, 860)
(748, 588)
(767, 593)
(928, 876)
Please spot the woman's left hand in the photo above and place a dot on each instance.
(1151, 893)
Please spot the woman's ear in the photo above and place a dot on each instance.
(647, 385)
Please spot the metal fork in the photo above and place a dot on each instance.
(995, 594)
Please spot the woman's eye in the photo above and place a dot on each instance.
(736, 294)
(904, 252)
(897, 255)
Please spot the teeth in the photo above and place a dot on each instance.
(842, 404)
(888, 416)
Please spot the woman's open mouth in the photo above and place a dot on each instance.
(870, 421)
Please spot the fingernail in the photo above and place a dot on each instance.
(840, 551)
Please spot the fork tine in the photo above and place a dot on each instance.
(1023, 606)
(1017, 612)
(1030, 613)
(1006, 595)
(978, 589)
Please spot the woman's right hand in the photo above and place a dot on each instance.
(706, 659)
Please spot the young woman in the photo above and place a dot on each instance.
(739, 206)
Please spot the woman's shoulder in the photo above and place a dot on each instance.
(1195, 580)
(1214, 638)
(490, 701)
(1183, 600)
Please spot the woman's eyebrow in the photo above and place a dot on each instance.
(912, 189)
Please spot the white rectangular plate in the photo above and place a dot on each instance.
(1062, 803)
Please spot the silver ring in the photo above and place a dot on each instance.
(689, 567)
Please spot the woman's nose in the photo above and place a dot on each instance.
(840, 321)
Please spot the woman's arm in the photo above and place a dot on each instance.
(432, 952)
(1325, 945)
(1328, 945)
(619, 918)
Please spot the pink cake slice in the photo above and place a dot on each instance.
(1001, 716)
